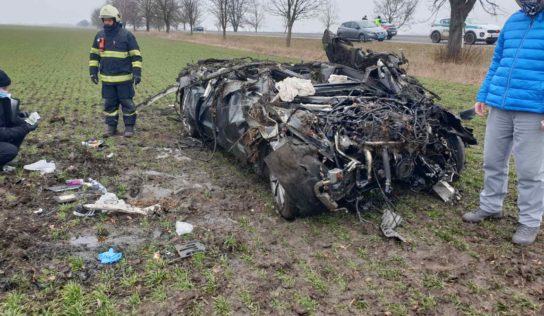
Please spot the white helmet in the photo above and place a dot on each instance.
(110, 12)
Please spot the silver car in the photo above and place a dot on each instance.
(362, 31)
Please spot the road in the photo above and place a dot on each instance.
(414, 39)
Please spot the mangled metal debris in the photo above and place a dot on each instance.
(327, 135)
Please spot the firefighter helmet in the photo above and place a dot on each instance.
(110, 12)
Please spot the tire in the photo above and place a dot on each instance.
(389, 37)
(186, 122)
(362, 38)
(436, 37)
(470, 38)
(284, 206)
(458, 147)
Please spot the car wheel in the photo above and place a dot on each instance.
(436, 37)
(389, 37)
(470, 38)
(362, 38)
(458, 147)
(285, 207)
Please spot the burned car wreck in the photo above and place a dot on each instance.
(326, 135)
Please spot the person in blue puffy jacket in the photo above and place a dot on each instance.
(512, 98)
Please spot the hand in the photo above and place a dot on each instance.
(94, 79)
(137, 80)
(480, 108)
(32, 127)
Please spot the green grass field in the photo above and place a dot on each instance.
(255, 263)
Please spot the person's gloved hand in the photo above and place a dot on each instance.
(137, 80)
(23, 114)
(32, 127)
(94, 79)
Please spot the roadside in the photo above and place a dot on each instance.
(421, 56)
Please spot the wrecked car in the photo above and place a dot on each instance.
(326, 135)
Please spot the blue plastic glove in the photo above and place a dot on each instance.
(110, 256)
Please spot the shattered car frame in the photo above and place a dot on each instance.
(350, 127)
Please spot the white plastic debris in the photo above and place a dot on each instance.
(390, 220)
(33, 118)
(42, 166)
(109, 202)
(292, 87)
(338, 79)
(445, 191)
(183, 228)
(39, 211)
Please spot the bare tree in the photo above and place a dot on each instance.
(167, 11)
(95, 18)
(292, 11)
(146, 10)
(128, 10)
(191, 13)
(458, 15)
(399, 11)
(255, 16)
(220, 9)
(237, 12)
(329, 13)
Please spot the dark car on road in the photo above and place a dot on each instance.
(362, 31)
(391, 30)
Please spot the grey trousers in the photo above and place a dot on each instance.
(519, 133)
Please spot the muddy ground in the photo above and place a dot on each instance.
(255, 261)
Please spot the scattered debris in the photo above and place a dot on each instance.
(82, 212)
(390, 220)
(63, 188)
(109, 202)
(67, 198)
(74, 182)
(39, 211)
(93, 143)
(8, 169)
(183, 228)
(109, 156)
(445, 191)
(110, 257)
(97, 186)
(42, 166)
(189, 249)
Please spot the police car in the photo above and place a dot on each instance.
(475, 31)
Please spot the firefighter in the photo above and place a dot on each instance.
(116, 60)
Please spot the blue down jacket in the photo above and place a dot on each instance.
(515, 79)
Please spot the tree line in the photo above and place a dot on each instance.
(166, 15)
(187, 14)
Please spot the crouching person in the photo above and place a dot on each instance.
(13, 127)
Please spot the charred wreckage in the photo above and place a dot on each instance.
(328, 136)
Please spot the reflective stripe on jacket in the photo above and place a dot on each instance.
(119, 60)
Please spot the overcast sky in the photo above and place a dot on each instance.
(48, 12)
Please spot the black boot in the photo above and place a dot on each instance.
(110, 131)
(129, 131)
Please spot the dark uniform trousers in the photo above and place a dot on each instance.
(115, 95)
(9, 150)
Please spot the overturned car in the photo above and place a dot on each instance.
(326, 135)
